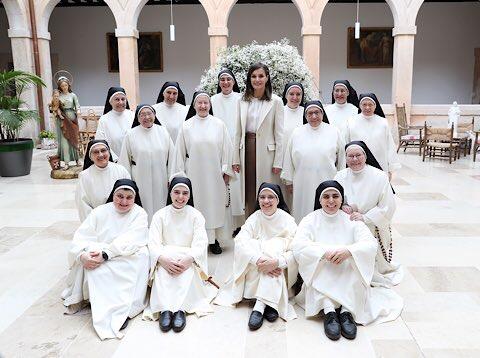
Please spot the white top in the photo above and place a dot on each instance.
(94, 186)
(339, 114)
(292, 118)
(253, 115)
(113, 127)
(225, 107)
(171, 117)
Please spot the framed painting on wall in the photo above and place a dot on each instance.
(150, 52)
(374, 48)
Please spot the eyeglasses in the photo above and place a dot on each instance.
(354, 156)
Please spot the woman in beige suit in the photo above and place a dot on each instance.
(258, 139)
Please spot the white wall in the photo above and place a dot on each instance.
(82, 49)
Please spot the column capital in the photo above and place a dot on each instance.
(217, 31)
(19, 33)
(44, 35)
(404, 30)
(311, 30)
(126, 32)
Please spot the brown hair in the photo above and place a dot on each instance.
(248, 95)
(59, 82)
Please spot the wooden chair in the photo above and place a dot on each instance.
(406, 138)
(439, 143)
(476, 145)
(85, 136)
(464, 130)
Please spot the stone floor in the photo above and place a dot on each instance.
(437, 238)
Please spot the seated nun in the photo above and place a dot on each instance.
(336, 259)
(369, 198)
(116, 120)
(264, 267)
(178, 257)
(109, 262)
(97, 178)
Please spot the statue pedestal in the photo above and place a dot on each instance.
(70, 173)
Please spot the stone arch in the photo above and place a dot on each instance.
(17, 15)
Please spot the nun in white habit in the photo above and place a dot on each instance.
(371, 127)
(225, 106)
(293, 100)
(178, 255)
(96, 180)
(344, 106)
(146, 153)
(203, 153)
(116, 120)
(336, 259)
(109, 262)
(170, 108)
(369, 197)
(314, 153)
(264, 266)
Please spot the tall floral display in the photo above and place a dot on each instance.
(283, 60)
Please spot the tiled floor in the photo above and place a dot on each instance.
(437, 238)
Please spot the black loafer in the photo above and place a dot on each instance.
(215, 248)
(270, 314)
(125, 324)
(331, 324)
(179, 321)
(255, 321)
(349, 328)
(165, 321)
(236, 231)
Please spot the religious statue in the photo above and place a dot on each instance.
(453, 117)
(65, 109)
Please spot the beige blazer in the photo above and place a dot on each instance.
(268, 141)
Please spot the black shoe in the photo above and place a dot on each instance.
(255, 321)
(215, 248)
(270, 314)
(331, 324)
(179, 321)
(165, 321)
(236, 231)
(349, 328)
(125, 324)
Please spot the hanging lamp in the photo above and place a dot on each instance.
(357, 23)
(172, 26)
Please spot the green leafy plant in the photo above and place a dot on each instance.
(46, 134)
(14, 113)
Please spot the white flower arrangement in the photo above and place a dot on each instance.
(283, 60)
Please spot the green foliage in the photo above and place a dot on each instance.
(46, 134)
(13, 111)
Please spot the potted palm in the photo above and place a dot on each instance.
(15, 153)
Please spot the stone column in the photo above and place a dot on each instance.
(218, 40)
(402, 74)
(46, 74)
(128, 63)
(311, 51)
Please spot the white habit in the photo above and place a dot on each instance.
(94, 186)
(269, 236)
(117, 288)
(176, 233)
(339, 114)
(203, 153)
(346, 284)
(171, 117)
(225, 107)
(313, 155)
(146, 154)
(370, 192)
(113, 127)
(376, 134)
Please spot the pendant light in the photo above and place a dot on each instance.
(172, 26)
(357, 24)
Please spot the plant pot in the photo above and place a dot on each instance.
(48, 143)
(16, 157)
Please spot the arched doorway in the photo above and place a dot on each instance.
(6, 58)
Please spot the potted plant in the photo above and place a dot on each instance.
(15, 153)
(47, 139)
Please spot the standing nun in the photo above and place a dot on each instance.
(170, 108)
(109, 262)
(336, 259)
(225, 107)
(146, 153)
(203, 152)
(97, 178)
(178, 254)
(264, 266)
(369, 198)
(371, 127)
(116, 120)
(314, 153)
(258, 152)
(344, 106)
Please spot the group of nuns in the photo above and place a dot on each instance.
(248, 158)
